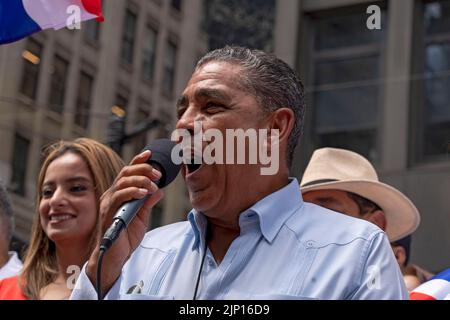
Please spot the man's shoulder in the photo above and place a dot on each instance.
(167, 237)
(324, 226)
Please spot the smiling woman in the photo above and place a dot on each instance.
(67, 223)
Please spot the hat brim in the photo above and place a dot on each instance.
(402, 216)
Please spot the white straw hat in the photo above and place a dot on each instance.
(340, 169)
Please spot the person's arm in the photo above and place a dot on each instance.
(133, 182)
(380, 276)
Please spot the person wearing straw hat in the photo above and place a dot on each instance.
(346, 182)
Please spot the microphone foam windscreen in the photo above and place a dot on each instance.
(161, 159)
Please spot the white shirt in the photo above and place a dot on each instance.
(12, 267)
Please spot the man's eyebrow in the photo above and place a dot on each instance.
(203, 93)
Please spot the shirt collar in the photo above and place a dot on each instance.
(272, 211)
(198, 224)
(277, 207)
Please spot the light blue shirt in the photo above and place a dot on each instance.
(287, 249)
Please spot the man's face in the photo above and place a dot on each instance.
(336, 200)
(214, 97)
(340, 201)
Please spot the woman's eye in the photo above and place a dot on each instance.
(78, 188)
(46, 193)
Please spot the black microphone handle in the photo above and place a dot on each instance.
(122, 219)
(125, 215)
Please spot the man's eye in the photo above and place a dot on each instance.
(212, 107)
(180, 112)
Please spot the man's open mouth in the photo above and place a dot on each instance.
(191, 168)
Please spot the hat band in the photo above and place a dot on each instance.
(318, 182)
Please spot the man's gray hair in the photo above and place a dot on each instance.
(272, 82)
(6, 213)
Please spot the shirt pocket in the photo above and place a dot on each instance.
(145, 274)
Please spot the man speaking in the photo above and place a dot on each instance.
(249, 235)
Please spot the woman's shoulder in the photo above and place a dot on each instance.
(10, 289)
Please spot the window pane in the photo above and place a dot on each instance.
(361, 141)
(435, 115)
(345, 31)
(437, 111)
(19, 164)
(149, 55)
(343, 100)
(169, 69)
(249, 23)
(437, 17)
(58, 85)
(92, 30)
(32, 61)
(84, 100)
(140, 141)
(346, 90)
(128, 37)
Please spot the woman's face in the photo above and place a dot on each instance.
(68, 206)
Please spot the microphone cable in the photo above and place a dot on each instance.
(99, 273)
(201, 265)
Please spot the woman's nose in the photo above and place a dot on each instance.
(58, 198)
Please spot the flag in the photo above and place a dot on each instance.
(20, 18)
(438, 288)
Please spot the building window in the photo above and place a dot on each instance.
(176, 4)
(345, 95)
(140, 141)
(431, 93)
(19, 164)
(59, 72)
(92, 30)
(128, 37)
(169, 69)
(84, 100)
(32, 61)
(149, 54)
(234, 21)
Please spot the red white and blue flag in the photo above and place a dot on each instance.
(438, 288)
(20, 18)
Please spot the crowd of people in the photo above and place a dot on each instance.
(338, 234)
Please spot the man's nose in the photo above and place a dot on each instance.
(187, 120)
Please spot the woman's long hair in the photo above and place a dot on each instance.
(40, 268)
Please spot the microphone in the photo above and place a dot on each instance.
(160, 160)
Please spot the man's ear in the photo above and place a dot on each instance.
(282, 120)
(378, 218)
(400, 254)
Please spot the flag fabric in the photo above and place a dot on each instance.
(438, 288)
(20, 18)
